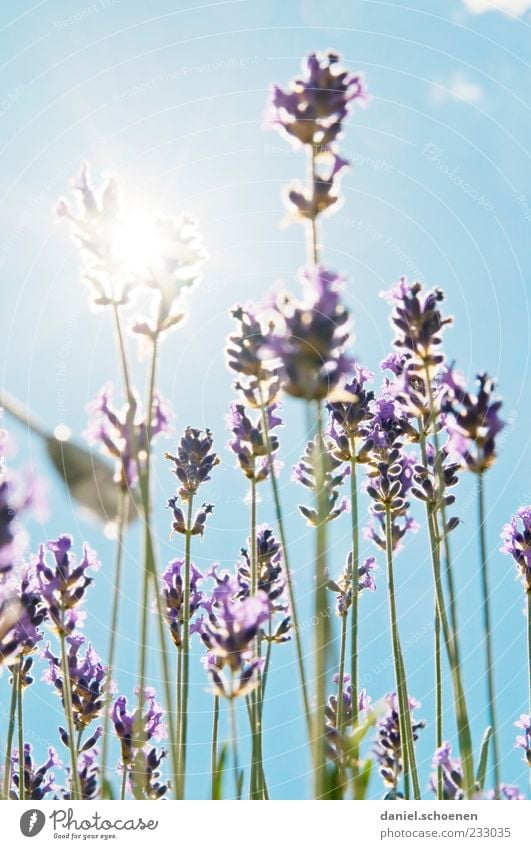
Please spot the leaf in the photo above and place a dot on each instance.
(361, 780)
(106, 789)
(217, 786)
(483, 757)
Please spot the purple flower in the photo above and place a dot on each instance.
(250, 442)
(18, 493)
(38, 781)
(136, 728)
(229, 633)
(311, 337)
(523, 741)
(87, 677)
(418, 322)
(199, 519)
(349, 417)
(343, 586)
(145, 775)
(516, 536)
(473, 424)
(22, 612)
(126, 434)
(388, 747)
(313, 108)
(245, 356)
(334, 474)
(270, 580)
(173, 595)
(364, 702)
(452, 773)
(194, 461)
(432, 482)
(64, 584)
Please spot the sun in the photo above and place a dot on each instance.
(137, 244)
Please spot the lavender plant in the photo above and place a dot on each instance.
(389, 448)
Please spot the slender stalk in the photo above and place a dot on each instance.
(463, 727)
(124, 781)
(406, 735)
(438, 697)
(214, 747)
(287, 569)
(529, 644)
(355, 572)
(322, 629)
(121, 518)
(186, 647)
(67, 701)
(256, 766)
(234, 743)
(10, 733)
(313, 249)
(341, 671)
(491, 699)
(20, 726)
(178, 713)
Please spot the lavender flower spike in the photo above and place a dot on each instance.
(38, 781)
(63, 586)
(523, 741)
(194, 461)
(473, 424)
(311, 338)
(126, 723)
(388, 748)
(516, 536)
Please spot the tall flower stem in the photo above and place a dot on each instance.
(341, 671)
(124, 782)
(355, 571)
(20, 726)
(404, 715)
(67, 702)
(10, 733)
(461, 715)
(234, 744)
(287, 569)
(121, 522)
(185, 649)
(322, 629)
(529, 644)
(256, 765)
(214, 748)
(488, 631)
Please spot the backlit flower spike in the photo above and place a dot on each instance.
(180, 254)
(432, 483)
(19, 493)
(334, 475)
(21, 641)
(38, 781)
(173, 597)
(388, 746)
(351, 413)
(126, 433)
(516, 536)
(258, 380)
(96, 228)
(151, 717)
(193, 461)
(271, 581)
(249, 441)
(452, 773)
(145, 775)
(473, 424)
(64, 584)
(311, 336)
(523, 741)
(87, 677)
(88, 771)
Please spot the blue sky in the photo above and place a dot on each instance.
(440, 189)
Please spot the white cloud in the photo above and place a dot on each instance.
(458, 88)
(510, 7)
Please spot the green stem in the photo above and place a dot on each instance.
(256, 766)
(341, 671)
(491, 699)
(124, 782)
(122, 512)
(234, 743)
(438, 697)
(178, 715)
(186, 648)
(406, 735)
(10, 733)
(287, 569)
(461, 715)
(67, 702)
(355, 572)
(214, 747)
(20, 725)
(322, 629)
